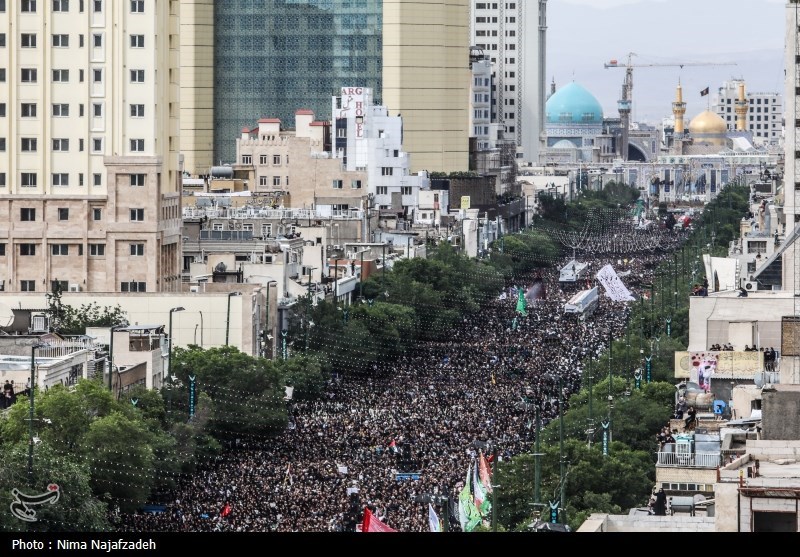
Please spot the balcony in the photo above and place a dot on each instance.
(689, 460)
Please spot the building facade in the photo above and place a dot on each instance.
(90, 169)
(426, 79)
(276, 56)
(513, 35)
(763, 111)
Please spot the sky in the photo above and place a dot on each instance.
(582, 35)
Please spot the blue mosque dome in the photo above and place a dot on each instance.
(573, 104)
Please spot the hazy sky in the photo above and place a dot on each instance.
(582, 35)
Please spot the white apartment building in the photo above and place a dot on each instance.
(764, 118)
(513, 35)
(367, 139)
(89, 165)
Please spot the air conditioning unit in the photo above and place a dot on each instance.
(750, 285)
(74, 287)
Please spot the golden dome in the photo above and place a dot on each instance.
(707, 123)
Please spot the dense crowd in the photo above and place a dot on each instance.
(430, 412)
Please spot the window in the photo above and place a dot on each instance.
(2, 144)
(29, 180)
(29, 6)
(137, 6)
(97, 40)
(276, 180)
(382, 190)
(2, 250)
(27, 285)
(386, 171)
(61, 285)
(28, 75)
(60, 5)
(276, 160)
(98, 5)
(28, 110)
(262, 159)
(27, 214)
(97, 110)
(80, 178)
(80, 110)
(2, 179)
(80, 145)
(247, 159)
(97, 250)
(61, 41)
(97, 213)
(28, 40)
(137, 215)
(2, 71)
(61, 76)
(134, 286)
(97, 75)
(405, 190)
(337, 184)
(97, 179)
(59, 249)
(263, 181)
(137, 145)
(27, 250)
(60, 110)
(2, 40)
(29, 144)
(137, 111)
(137, 41)
(80, 44)
(137, 250)
(137, 76)
(61, 145)
(355, 184)
(97, 145)
(137, 179)
(60, 179)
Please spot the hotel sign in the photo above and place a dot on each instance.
(353, 106)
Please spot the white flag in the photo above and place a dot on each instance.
(433, 520)
(613, 285)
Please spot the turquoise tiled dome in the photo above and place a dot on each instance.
(573, 104)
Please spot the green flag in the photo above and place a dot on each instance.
(522, 305)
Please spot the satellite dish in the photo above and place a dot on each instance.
(221, 267)
(6, 316)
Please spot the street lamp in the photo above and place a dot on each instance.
(169, 353)
(31, 411)
(228, 320)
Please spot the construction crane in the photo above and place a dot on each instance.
(624, 104)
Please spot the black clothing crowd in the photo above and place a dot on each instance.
(429, 412)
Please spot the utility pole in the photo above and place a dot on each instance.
(31, 413)
(675, 274)
(495, 491)
(563, 476)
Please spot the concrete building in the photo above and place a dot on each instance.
(513, 35)
(89, 166)
(761, 113)
(426, 79)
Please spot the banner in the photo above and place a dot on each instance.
(613, 285)
(727, 363)
(372, 524)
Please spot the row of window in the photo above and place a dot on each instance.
(133, 286)
(757, 100)
(62, 110)
(31, 145)
(384, 190)
(28, 214)
(354, 184)
(61, 40)
(29, 6)
(263, 160)
(31, 75)
(59, 250)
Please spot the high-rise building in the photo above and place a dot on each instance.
(426, 79)
(513, 35)
(89, 164)
(271, 57)
(791, 176)
(763, 111)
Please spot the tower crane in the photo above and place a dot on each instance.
(624, 104)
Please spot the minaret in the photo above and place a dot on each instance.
(552, 86)
(742, 107)
(679, 111)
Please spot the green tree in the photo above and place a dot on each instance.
(76, 510)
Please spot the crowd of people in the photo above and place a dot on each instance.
(392, 438)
